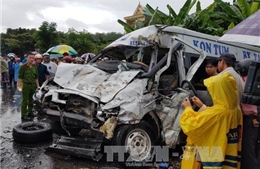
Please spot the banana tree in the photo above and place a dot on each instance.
(219, 17)
(159, 17)
(248, 7)
(239, 11)
(216, 19)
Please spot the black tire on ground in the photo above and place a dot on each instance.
(56, 127)
(129, 134)
(30, 132)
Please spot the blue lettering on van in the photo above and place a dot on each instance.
(246, 54)
(220, 49)
(211, 48)
(256, 57)
(217, 49)
(137, 43)
(205, 46)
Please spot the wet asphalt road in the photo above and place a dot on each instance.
(34, 156)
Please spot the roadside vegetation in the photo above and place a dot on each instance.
(215, 19)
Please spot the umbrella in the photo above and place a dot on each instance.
(55, 55)
(247, 31)
(10, 54)
(60, 49)
(88, 56)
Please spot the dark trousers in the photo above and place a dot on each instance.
(249, 141)
(4, 78)
(27, 101)
(11, 79)
(258, 149)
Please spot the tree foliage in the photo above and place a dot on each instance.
(46, 36)
(20, 41)
(215, 19)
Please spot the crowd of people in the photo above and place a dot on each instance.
(46, 66)
(30, 74)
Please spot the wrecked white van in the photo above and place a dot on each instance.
(132, 99)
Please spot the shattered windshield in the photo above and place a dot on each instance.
(125, 53)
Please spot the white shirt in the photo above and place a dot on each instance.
(239, 80)
(52, 68)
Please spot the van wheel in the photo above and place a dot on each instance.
(31, 132)
(138, 141)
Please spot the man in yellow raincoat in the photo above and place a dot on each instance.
(214, 134)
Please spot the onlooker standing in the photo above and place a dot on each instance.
(79, 60)
(4, 72)
(67, 59)
(250, 126)
(11, 63)
(27, 83)
(226, 63)
(256, 122)
(24, 59)
(211, 67)
(215, 132)
(43, 73)
(51, 66)
(56, 60)
(16, 70)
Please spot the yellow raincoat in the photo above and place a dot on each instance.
(214, 135)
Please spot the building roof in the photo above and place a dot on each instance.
(139, 11)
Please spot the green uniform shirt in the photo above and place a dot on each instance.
(28, 74)
(4, 66)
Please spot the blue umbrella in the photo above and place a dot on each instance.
(247, 31)
(10, 54)
(52, 56)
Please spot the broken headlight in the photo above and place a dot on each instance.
(105, 114)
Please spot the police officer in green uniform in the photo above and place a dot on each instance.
(27, 84)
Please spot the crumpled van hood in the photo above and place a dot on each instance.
(92, 81)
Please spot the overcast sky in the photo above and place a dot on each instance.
(91, 15)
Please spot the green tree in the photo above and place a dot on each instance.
(216, 19)
(80, 41)
(18, 41)
(46, 36)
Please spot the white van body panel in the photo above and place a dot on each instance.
(210, 44)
